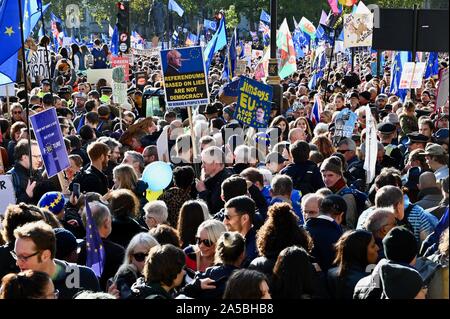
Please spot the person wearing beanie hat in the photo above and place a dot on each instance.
(333, 178)
(400, 282)
(54, 202)
(400, 245)
(66, 245)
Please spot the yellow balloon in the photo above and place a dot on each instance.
(151, 195)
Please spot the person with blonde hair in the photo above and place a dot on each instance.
(125, 177)
(133, 263)
(229, 255)
(201, 255)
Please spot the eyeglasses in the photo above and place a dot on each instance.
(23, 258)
(17, 112)
(140, 257)
(205, 242)
(310, 212)
(343, 151)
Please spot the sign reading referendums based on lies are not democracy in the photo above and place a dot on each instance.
(254, 103)
(185, 80)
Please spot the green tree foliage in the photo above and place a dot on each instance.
(232, 17)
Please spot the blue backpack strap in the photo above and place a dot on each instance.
(346, 191)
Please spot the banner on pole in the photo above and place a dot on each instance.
(254, 103)
(185, 80)
(50, 140)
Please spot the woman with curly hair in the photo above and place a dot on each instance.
(281, 122)
(279, 231)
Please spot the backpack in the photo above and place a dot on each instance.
(360, 198)
(304, 183)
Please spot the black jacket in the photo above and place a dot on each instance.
(20, 177)
(123, 230)
(114, 255)
(219, 274)
(213, 190)
(7, 262)
(305, 176)
(91, 180)
(343, 287)
(264, 264)
(143, 290)
(325, 234)
(85, 275)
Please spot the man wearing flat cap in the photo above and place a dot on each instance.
(415, 141)
(437, 159)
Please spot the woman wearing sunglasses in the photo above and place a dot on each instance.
(201, 255)
(133, 264)
(230, 253)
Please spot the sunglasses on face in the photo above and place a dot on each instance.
(140, 257)
(205, 242)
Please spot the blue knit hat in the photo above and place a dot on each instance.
(262, 137)
(53, 201)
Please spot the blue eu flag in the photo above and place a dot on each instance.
(115, 42)
(397, 68)
(265, 17)
(95, 252)
(9, 29)
(218, 41)
(432, 65)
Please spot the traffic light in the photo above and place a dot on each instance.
(123, 25)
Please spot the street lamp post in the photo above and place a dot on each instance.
(273, 79)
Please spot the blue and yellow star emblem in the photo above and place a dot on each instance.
(9, 31)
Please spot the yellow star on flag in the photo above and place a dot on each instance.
(9, 31)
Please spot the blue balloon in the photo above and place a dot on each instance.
(157, 175)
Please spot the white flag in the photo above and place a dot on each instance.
(370, 160)
(173, 6)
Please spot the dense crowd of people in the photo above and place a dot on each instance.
(285, 212)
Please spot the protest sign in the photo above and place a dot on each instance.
(50, 140)
(7, 194)
(442, 94)
(358, 30)
(241, 66)
(122, 61)
(254, 103)
(146, 52)
(412, 75)
(93, 75)
(345, 123)
(7, 90)
(185, 80)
